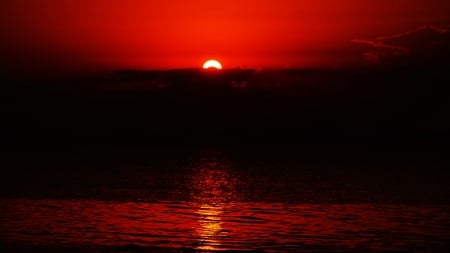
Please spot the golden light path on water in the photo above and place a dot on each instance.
(210, 227)
(212, 188)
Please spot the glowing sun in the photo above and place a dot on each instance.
(212, 64)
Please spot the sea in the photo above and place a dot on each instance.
(213, 200)
(227, 161)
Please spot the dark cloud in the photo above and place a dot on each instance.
(422, 45)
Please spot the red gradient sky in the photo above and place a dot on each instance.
(102, 34)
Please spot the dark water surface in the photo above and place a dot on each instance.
(226, 226)
(213, 202)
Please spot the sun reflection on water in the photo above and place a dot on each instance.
(211, 181)
(210, 228)
(213, 186)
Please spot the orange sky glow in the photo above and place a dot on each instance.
(165, 34)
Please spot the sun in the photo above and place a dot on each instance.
(212, 64)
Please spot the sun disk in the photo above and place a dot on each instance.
(212, 64)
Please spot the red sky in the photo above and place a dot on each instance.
(103, 34)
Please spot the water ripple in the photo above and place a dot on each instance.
(227, 226)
